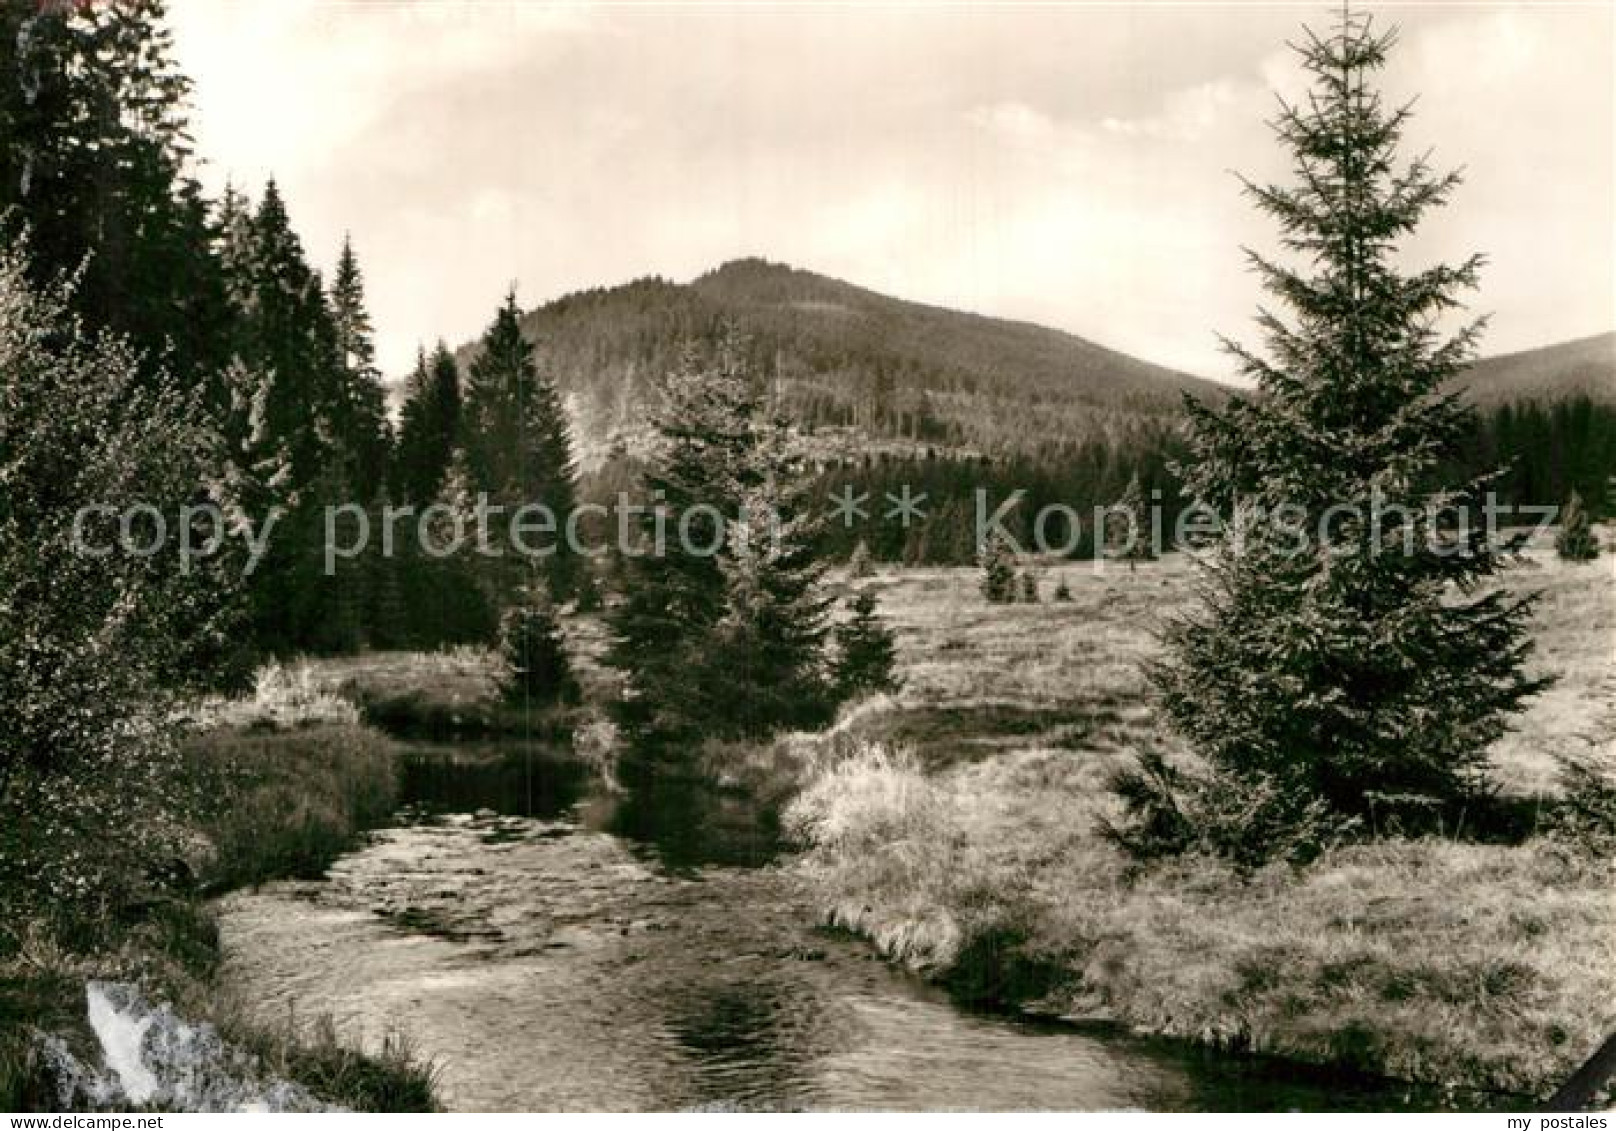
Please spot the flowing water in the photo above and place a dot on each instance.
(546, 962)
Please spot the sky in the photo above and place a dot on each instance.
(1067, 164)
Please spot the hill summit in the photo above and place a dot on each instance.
(867, 373)
(862, 370)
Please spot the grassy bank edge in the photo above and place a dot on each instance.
(280, 797)
(1322, 968)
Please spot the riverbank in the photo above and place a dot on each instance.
(457, 694)
(551, 961)
(282, 783)
(959, 829)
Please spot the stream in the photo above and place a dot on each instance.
(546, 959)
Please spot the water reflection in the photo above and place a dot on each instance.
(749, 1043)
(687, 825)
(683, 824)
(510, 779)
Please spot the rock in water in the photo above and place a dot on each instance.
(152, 1057)
(121, 1028)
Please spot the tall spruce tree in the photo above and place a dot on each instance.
(674, 592)
(287, 340)
(286, 328)
(771, 641)
(721, 629)
(404, 477)
(516, 438)
(1370, 669)
(94, 151)
(429, 427)
(361, 400)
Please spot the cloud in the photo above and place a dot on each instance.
(1014, 120)
(1187, 114)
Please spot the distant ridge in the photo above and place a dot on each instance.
(860, 368)
(869, 374)
(1582, 367)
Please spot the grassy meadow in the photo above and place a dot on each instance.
(959, 825)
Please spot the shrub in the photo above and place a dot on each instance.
(876, 828)
(589, 595)
(535, 653)
(1029, 588)
(887, 846)
(1576, 542)
(1584, 813)
(283, 697)
(859, 563)
(865, 653)
(79, 850)
(90, 646)
(1126, 528)
(1063, 592)
(998, 571)
(598, 745)
(1249, 819)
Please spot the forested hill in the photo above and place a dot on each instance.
(868, 373)
(852, 365)
(1585, 367)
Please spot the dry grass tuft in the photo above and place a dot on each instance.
(283, 697)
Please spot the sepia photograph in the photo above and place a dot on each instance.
(767, 556)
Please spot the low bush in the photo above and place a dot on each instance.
(1169, 811)
(884, 841)
(283, 697)
(1584, 812)
(286, 805)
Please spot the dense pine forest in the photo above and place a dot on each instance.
(222, 303)
(1237, 822)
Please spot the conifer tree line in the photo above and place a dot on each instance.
(1547, 452)
(1543, 451)
(220, 301)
